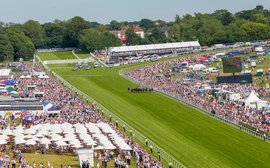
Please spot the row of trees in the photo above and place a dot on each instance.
(223, 27)
(21, 40)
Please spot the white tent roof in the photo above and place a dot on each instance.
(3, 137)
(5, 72)
(92, 128)
(7, 132)
(252, 98)
(254, 102)
(19, 141)
(76, 146)
(105, 139)
(199, 67)
(120, 142)
(28, 76)
(61, 143)
(3, 141)
(105, 127)
(45, 141)
(30, 142)
(43, 76)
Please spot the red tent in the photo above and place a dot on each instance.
(203, 59)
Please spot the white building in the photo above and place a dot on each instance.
(5, 73)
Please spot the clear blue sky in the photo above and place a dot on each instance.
(104, 11)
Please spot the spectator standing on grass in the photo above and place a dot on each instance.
(128, 159)
(124, 128)
(7, 160)
(13, 163)
(83, 164)
(170, 164)
(1, 162)
(87, 164)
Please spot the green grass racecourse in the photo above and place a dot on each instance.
(56, 55)
(193, 137)
(82, 55)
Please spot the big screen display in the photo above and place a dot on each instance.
(232, 65)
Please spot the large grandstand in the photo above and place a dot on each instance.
(119, 53)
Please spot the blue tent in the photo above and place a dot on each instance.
(10, 82)
(28, 118)
(202, 91)
(54, 108)
(266, 107)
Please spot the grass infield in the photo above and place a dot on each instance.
(56, 55)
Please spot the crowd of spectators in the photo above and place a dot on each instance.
(76, 110)
(153, 76)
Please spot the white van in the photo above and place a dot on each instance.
(260, 54)
(213, 70)
(253, 64)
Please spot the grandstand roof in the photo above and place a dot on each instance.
(155, 46)
(21, 103)
(5, 72)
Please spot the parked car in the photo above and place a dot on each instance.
(213, 70)
(88, 67)
(96, 65)
(154, 59)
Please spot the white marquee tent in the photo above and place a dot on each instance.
(254, 102)
(101, 136)
(199, 67)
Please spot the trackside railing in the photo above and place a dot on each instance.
(164, 157)
(229, 120)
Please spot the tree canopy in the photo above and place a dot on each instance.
(91, 39)
(221, 26)
(35, 32)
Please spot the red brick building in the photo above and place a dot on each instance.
(121, 34)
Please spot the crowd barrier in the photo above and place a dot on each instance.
(165, 158)
(220, 117)
(55, 49)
